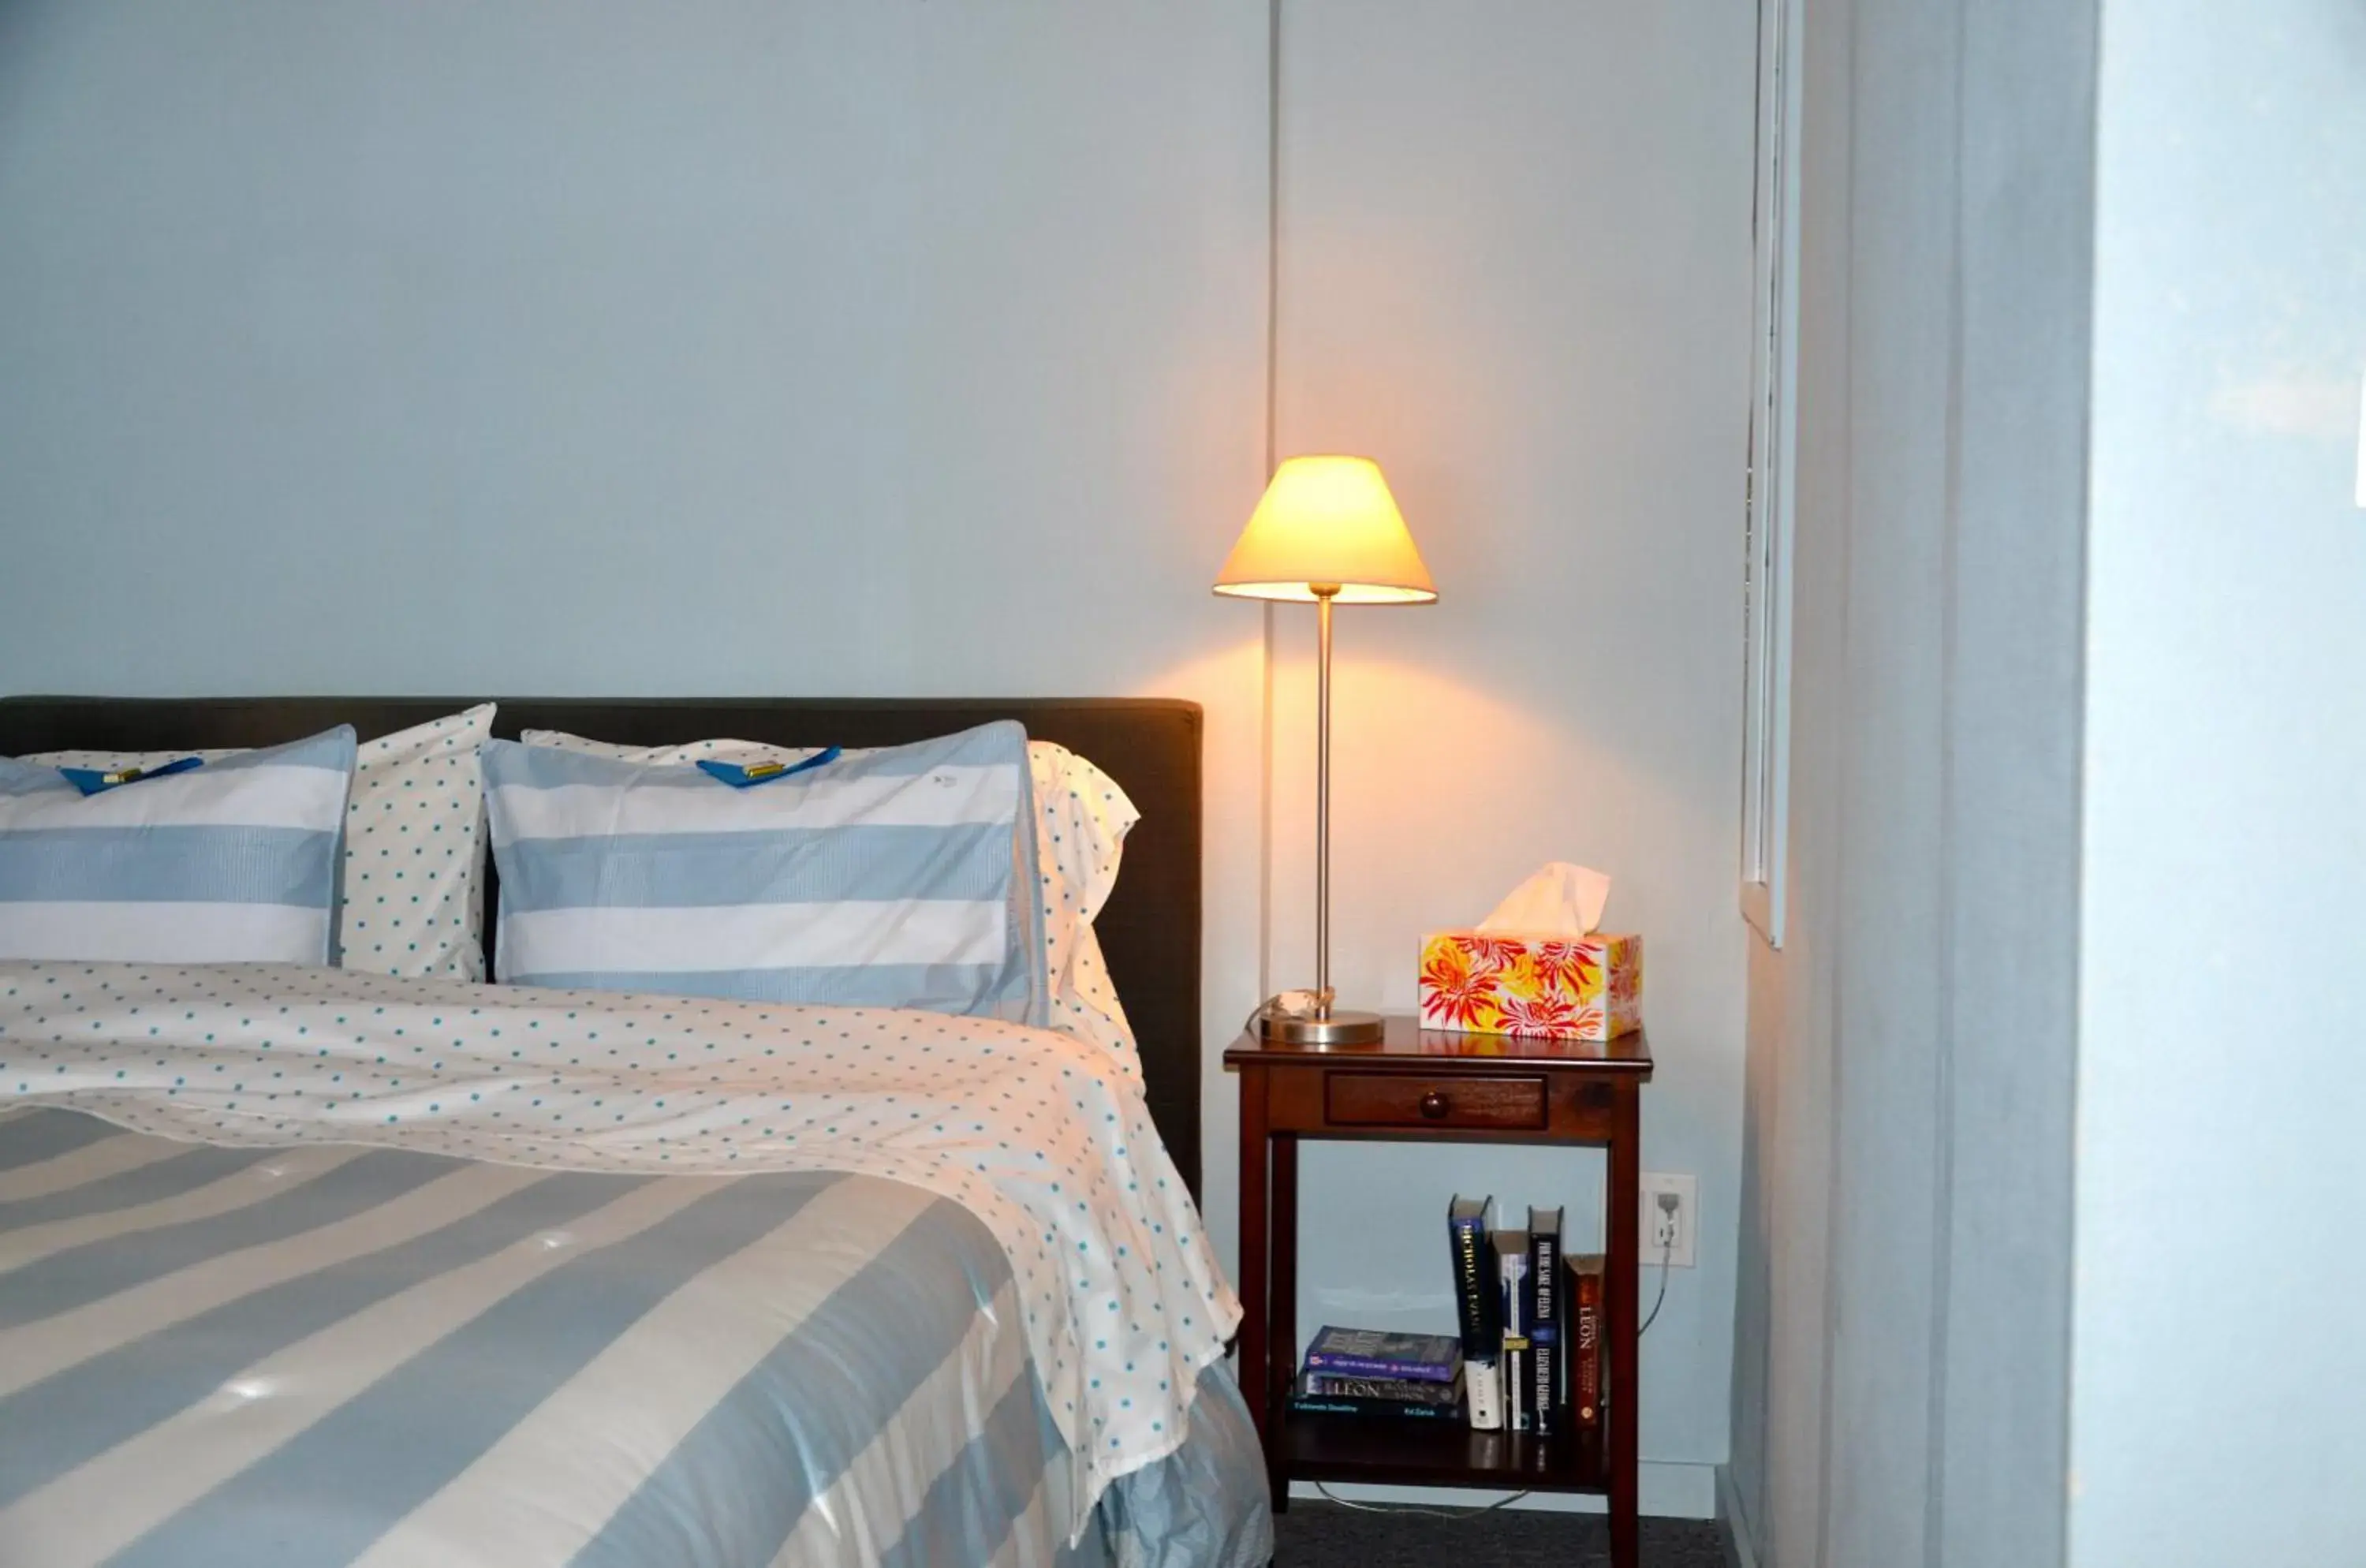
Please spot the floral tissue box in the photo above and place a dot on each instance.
(1562, 988)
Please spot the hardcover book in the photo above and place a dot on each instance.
(1372, 1352)
(1512, 1270)
(1545, 1379)
(1586, 1312)
(1476, 1301)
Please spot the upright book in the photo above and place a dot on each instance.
(1547, 1388)
(1512, 1273)
(1477, 1300)
(1376, 1353)
(1585, 1315)
(1478, 1305)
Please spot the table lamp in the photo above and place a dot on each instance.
(1327, 531)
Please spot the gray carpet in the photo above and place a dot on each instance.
(1323, 1535)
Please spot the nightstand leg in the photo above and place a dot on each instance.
(1257, 1250)
(1281, 1347)
(1626, 1242)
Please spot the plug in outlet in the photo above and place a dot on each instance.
(1670, 1211)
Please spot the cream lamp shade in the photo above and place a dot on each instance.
(1327, 522)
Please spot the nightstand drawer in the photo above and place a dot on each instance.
(1403, 1099)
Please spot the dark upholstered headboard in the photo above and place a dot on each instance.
(1150, 929)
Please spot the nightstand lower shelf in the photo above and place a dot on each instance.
(1385, 1451)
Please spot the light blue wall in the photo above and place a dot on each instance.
(619, 348)
(795, 346)
(889, 346)
(1515, 265)
(2100, 290)
(1902, 1331)
(2222, 1080)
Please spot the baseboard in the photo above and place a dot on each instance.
(1664, 1489)
(1739, 1552)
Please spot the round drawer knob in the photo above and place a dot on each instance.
(1435, 1105)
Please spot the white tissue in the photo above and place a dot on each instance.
(1563, 900)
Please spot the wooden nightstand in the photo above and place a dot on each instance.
(1434, 1086)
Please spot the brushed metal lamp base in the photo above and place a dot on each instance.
(1339, 1026)
(1322, 1025)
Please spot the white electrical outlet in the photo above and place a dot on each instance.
(1664, 1232)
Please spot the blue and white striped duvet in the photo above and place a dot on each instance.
(435, 1284)
(339, 1354)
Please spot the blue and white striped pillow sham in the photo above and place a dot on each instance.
(903, 877)
(1082, 816)
(236, 861)
(412, 894)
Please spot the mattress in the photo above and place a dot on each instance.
(239, 1326)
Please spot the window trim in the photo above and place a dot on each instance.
(1767, 477)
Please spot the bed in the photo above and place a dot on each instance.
(304, 1266)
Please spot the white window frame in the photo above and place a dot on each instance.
(1774, 438)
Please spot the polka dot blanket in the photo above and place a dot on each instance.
(1046, 1138)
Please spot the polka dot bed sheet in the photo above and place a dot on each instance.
(1046, 1139)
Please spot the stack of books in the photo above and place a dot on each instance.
(1367, 1371)
(1528, 1357)
(1531, 1323)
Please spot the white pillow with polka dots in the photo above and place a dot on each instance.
(1081, 822)
(412, 898)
